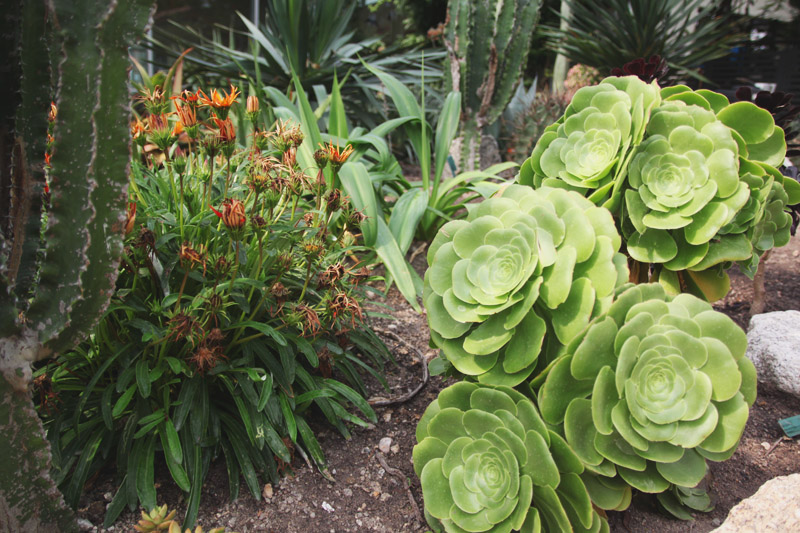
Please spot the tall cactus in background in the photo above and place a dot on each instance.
(54, 284)
(487, 46)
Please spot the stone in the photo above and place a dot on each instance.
(773, 344)
(385, 444)
(85, 525)
(775, 508)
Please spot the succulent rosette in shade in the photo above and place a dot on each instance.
(525, 272)
(587, 149)
(487, 463)
(651, 390)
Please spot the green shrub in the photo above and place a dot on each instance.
(236, 312)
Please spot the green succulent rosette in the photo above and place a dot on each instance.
(487, 463)
(523, 274)
(650, 391)
(704, 192)
(587, 150)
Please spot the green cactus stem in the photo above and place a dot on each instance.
(487, 45)
(69, 279)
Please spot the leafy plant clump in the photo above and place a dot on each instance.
(689, 177)
(487, 462)
(522, 275)
(650, 391)
(237, 311)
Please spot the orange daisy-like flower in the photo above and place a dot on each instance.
(227, 133)
(337, 156)
(232, 215)
(186, 114)
(218, 99)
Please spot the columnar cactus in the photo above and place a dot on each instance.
(487, 462)
(524, 273)
(50, 296)
(487, 44)
(651, 390)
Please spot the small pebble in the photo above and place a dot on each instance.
(395, 448)
(85, 525)
(387, 416)
(716, 522)
(108, 496)
(766, 445)
(328, 507)
(385, 444)
(267, 492)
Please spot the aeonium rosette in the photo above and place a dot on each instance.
(587, 149)
(651, 390)
(525, 272)
(488, 463)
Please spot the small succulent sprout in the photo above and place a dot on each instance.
(488, 463)
(526, 271)
(587, 150)
(652, 389)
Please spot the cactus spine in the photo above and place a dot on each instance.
(54, 287)
(487, 43)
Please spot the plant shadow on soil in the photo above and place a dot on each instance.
(365, 497)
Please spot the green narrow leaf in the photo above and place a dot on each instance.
(337, 120)
(357, 184)
(446, 130)
(406, 214)
(389, 252)
(176, 470)
(143, 378)
(288, 416)
(352, 396)
(123, 401)
(144, 474)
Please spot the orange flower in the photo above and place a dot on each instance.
(252, 104)
(336, 156)
(186, 114)
(232, 215)
(220, 101)
(188, 97)
(226, 131)
(130, 218)
(51, 116)
(177, 128)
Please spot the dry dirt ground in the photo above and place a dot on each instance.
(366, 496)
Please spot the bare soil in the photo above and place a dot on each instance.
(368, 497)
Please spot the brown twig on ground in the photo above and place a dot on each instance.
(418, 250)
(402, 477)
(380, 401)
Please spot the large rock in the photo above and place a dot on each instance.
(773, 344)
(775, 508)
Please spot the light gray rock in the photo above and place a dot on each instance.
(775, 508)
(773, 344)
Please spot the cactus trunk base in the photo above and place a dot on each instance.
(29, 499)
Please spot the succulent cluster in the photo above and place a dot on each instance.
(650, 390)
(524, 273)
(689, 177)
(487, 462)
